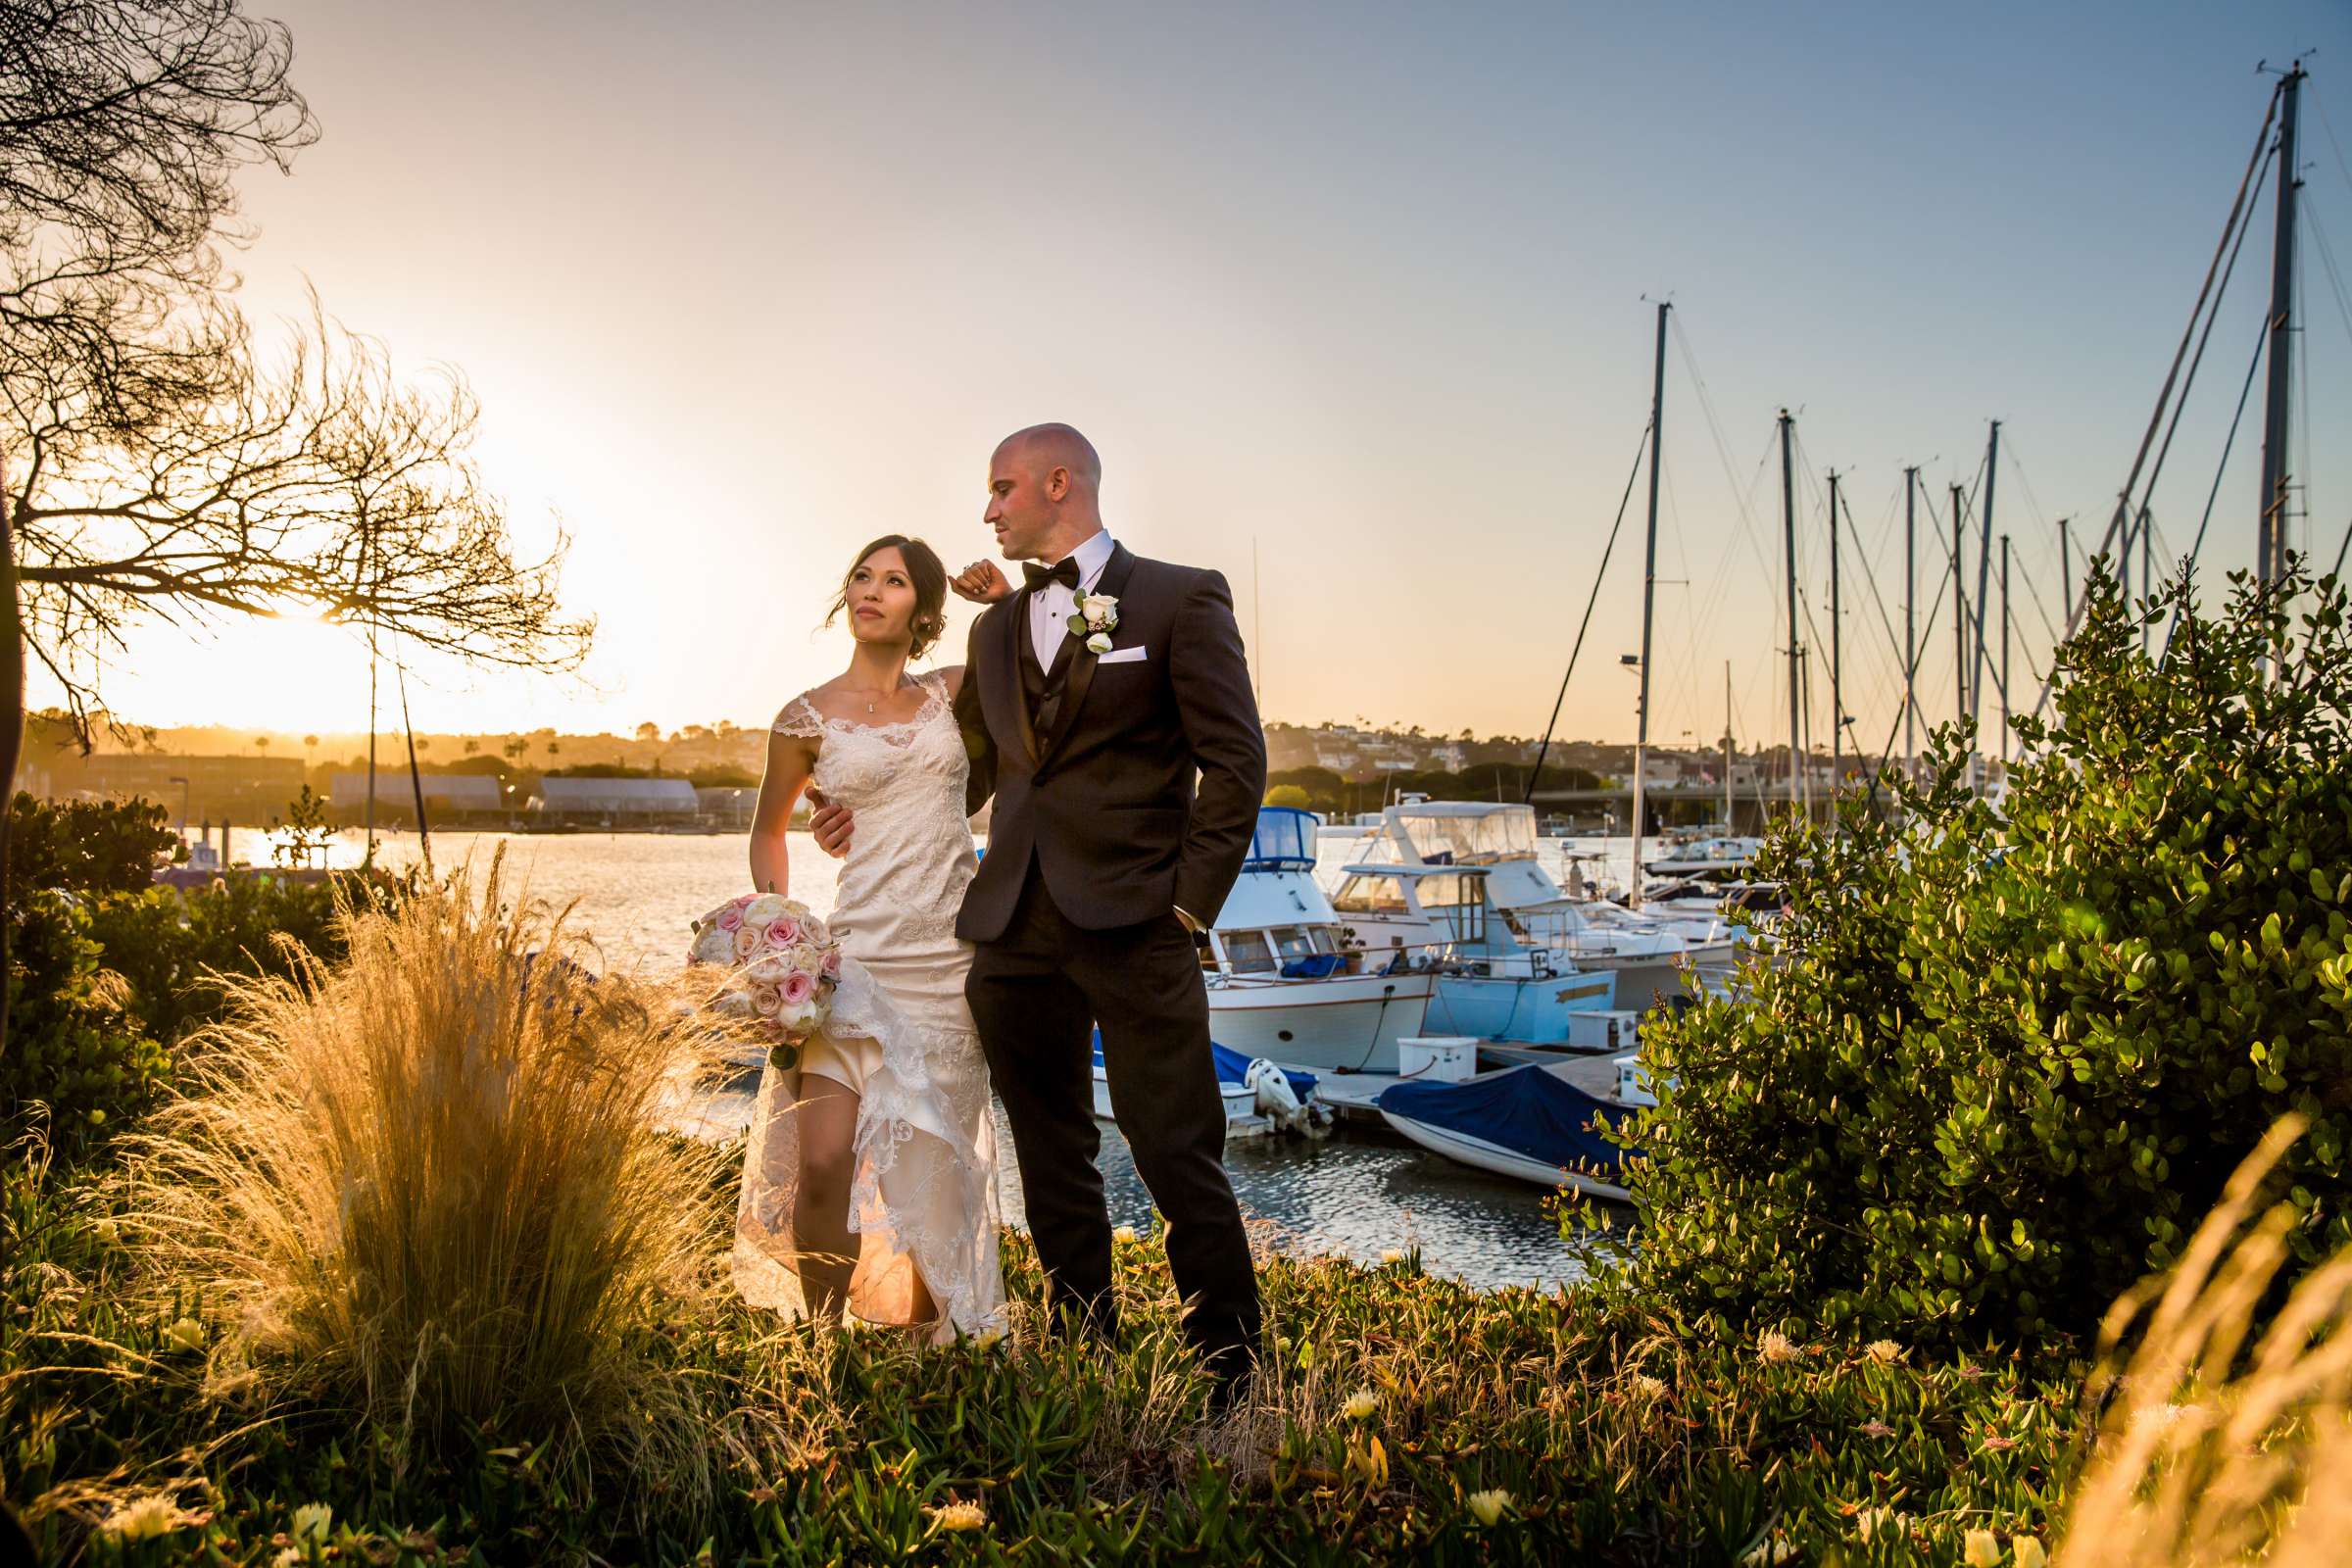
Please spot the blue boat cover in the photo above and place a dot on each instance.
(1314, 966)
(1233, 1069)
(1526, 1109)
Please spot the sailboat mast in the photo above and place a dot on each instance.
(1959, 615)
(1910, 622)
(1650, 584)
(1796, 675)
(1730, 817)
(1993, 462)
(1836, 655)
(2066, 568)
(2004, 650)
(2270, 552)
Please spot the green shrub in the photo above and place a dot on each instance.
(70, 1046)
(85, 845)
(170, 948)
(1995, 1064)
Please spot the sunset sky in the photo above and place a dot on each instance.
(1356, 290)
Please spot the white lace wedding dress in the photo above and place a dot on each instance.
(923, 1196)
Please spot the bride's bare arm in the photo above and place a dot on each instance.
(788, 759)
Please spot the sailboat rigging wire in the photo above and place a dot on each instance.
(1871, 579)
(1598, 575)
(2188, 565)
(2240, 208)
(2338, 571)
(1706, 406)
(2180, 405)
(2034, 597)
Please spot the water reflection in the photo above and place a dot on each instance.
(1355, 1195)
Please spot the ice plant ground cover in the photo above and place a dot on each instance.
(1609, 1434)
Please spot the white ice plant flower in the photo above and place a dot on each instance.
(1487, 1507)
(1361, 1404)
(312, 1522)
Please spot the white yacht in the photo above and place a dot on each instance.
(1440, 873)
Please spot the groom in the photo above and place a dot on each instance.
(1104, 861)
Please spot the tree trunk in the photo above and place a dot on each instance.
(12, 720)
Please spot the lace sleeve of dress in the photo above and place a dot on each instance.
(800, 718)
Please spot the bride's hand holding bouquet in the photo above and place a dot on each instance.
(783, 967)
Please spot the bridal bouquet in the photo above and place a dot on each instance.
(783, 963)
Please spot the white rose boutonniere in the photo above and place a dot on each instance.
(1095, 619)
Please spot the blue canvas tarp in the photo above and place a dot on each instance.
(1233, 1069)
(1525, 1110)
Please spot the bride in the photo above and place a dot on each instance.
(869, 1183)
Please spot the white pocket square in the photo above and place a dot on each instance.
(1120, 655)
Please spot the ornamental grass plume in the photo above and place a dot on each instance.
(431, 1183)
(2211, 1452)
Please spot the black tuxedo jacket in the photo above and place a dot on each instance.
(1104, 803)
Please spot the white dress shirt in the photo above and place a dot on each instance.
(1051, 607)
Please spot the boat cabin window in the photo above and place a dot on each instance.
(1369, 895)
(1290, 942)
(1323, 938)
(1459, 901)
(1249, 953)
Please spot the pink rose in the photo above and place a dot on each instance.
(798, 986)
(730, 919)
(747, 941)
(783, 931)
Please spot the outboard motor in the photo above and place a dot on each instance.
(1279, 1103)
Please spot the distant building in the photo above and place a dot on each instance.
(454, 794)
(622, 800)
(252, 789)
(728, 805)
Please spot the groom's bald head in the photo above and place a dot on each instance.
(1044, 489)
(1047, 447)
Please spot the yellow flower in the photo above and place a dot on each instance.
(1979, 1549)
(1370, 1461)
(1124, 1232)
(1767, 1553)
(185, 1335)
(1776, 1346)
(312, 1522)
(106, 1230)
(959, 1517)
(1392, 1254)
(1361, 1403)
(1488, 1506)
(1884, 1352)
(2028, 1551)
(142, 1517)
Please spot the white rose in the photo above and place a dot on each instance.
(768, 971)
(1099, 643)
(798, 1018)
(714, 946)
(767, 907)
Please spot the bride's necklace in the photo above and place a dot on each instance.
(901, 686)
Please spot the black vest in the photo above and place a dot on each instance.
(1042, 688)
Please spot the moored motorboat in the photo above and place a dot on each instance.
(1528, 1123)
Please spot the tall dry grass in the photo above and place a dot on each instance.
(2221, 1446)
(429, 1183)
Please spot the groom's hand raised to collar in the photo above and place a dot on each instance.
(982, 582)
(830, 823)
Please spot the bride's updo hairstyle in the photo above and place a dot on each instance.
(929, 576)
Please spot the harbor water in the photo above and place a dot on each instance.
(1357, 1193)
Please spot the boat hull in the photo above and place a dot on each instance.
(1489, 1007)
(1481, 1154)
(1347, 1021)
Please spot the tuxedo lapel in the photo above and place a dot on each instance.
(1113, 583)
(1016, 633)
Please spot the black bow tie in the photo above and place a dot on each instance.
(1065, 574)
